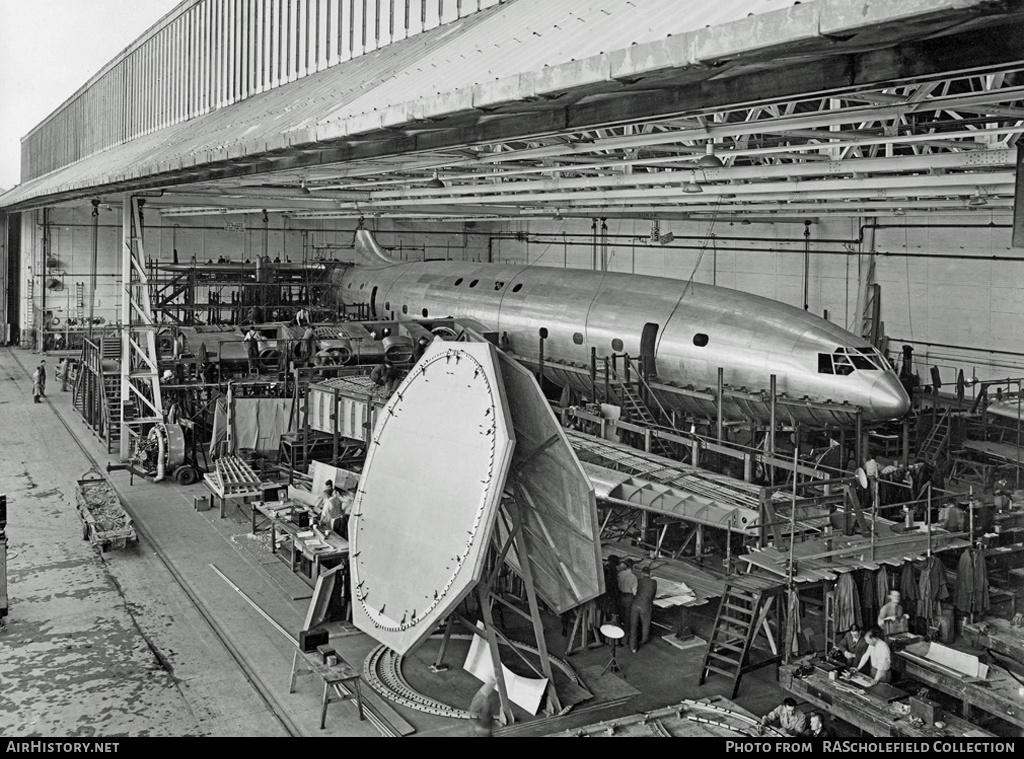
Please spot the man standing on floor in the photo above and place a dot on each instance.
(36, 380)
(42, 377)
(627, 582)
(643, 605)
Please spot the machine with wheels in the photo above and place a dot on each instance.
(163, 453)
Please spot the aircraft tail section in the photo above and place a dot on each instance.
(368, 252)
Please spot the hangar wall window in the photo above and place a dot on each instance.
(616, 344)
(517, 288)
(700, 339)
(578, 338)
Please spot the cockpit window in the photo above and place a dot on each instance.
(874, 357)
(845, 361)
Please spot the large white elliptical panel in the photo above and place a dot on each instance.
(429, 494)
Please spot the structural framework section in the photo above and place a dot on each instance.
(555, 497)
(430, 493)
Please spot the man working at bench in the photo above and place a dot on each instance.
(878, 655)
(791, 720)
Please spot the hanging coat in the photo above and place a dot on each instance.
(932, 588)
(981, 603)
(882, 585)
(964, 582)
(795, 627)
(908, 590)
(867, 595)
(848, 610)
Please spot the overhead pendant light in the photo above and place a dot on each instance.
(709, 160)
(436, 183)
(978, 199)
(692, 186)
(899, 212)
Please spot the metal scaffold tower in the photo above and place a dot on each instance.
(141, 405)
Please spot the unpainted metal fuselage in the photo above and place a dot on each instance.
(696, 328)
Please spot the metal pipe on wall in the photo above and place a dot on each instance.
(94, 263)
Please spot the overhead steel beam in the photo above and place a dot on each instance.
(993, 159)
(672, 188)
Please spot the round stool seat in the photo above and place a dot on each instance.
(612, 631)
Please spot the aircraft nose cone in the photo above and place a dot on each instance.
(889, 400)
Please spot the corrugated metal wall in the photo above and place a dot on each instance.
(210, 53)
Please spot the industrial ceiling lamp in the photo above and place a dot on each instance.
(978, 199)
(899, 212)
(692, 186)
(709, 160)
(436, 183)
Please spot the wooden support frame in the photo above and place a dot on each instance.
(487, 598)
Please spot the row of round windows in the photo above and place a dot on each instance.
(700, 339)
(498, 285)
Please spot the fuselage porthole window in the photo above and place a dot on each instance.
(473, 283)
(405, 309)
(458, 281)
(577, 338)
(543, 332)
(616, 345)
(517, 288)
(424, 313)
(700, 339)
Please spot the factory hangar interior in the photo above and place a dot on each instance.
(731, 294)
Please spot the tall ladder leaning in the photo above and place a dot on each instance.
(141, 403)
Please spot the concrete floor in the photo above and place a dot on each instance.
(150, 640)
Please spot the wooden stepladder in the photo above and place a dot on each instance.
(745, 610)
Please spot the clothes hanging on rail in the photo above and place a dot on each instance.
(882, 585)
(868, 607)
(848, 609)
(932, 589)
(908, 590)
(971, 582)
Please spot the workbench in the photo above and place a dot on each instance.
(335, 677)
(997, 635)
(996, 694)
(866, 712)
(321, 549)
